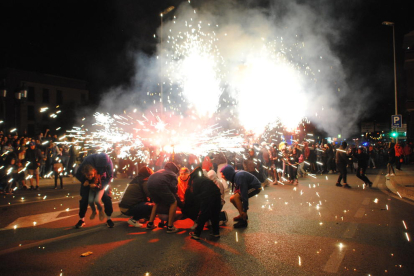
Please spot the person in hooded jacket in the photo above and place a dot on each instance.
(209, 196)
(245, 186)
(162, 186)
(135, 201)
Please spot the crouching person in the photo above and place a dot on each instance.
(245, 186)
(219, 182)
(162, 186)
(135, 201)
(209, 196)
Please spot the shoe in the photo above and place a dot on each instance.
(32, 188)
(101, 215)
(238, 218)
(37, 188)
(161, 224)
(387, 174)
(55, 188)
(80, 224)
(134, 223)
(370, 184)
(374, 167)
(338, 185)
(110, 223)
(194, 226)
(171, 229)
(240, 224)
(215, 235)
(93, 215)
(150, 226)
(194, 236)
(347, 186)
(392, 174)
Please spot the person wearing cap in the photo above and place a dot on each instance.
(162, 186)
(34, 156)
(341, 163)
(245, 185)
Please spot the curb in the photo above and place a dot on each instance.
(398, 189)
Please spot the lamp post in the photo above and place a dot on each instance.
(388, 23)
(167, 10)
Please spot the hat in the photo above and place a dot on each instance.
(32, 144)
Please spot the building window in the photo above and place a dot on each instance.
(31, 94)
(31, 113)
(59, 97)
(45, 95)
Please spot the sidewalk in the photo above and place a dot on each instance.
(403, 182)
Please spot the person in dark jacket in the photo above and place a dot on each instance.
(391, 160)
(341, 162)
(209, 196)
(34, 156)
(135, 201)
(362, 158)
(245, 186)
(104, 168)
(162, 186)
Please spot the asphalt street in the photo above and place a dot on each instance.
(314, 228)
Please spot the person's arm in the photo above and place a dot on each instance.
(86, 183)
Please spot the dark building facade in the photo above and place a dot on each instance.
(33, 102)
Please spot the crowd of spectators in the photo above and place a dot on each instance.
(24, 160)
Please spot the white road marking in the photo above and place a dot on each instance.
(366, 201)
(335, 261)
(350, 231)
(360, 213)
(40, 219)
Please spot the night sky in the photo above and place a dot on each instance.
(95, 40)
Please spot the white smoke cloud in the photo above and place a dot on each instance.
(276, 61)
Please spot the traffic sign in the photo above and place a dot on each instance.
(396, 121)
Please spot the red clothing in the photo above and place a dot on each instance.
(182, 187)
(399, 150)
(207, 164)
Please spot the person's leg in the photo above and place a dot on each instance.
(97, 199)
(215, 216)
(237, 202)
(55, 174)
(91, 198)
(107, 201)
(61, 181)
(203, 217)
(358, 173)
(171, 214)
(344, 174)
(83, 205)
(153, 213)
(339, 178)
(141, 210)
(31, 180)
(37, 178)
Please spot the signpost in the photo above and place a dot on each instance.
(396, 121)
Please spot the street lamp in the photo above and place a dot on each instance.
(167, 10)
(388, 23)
